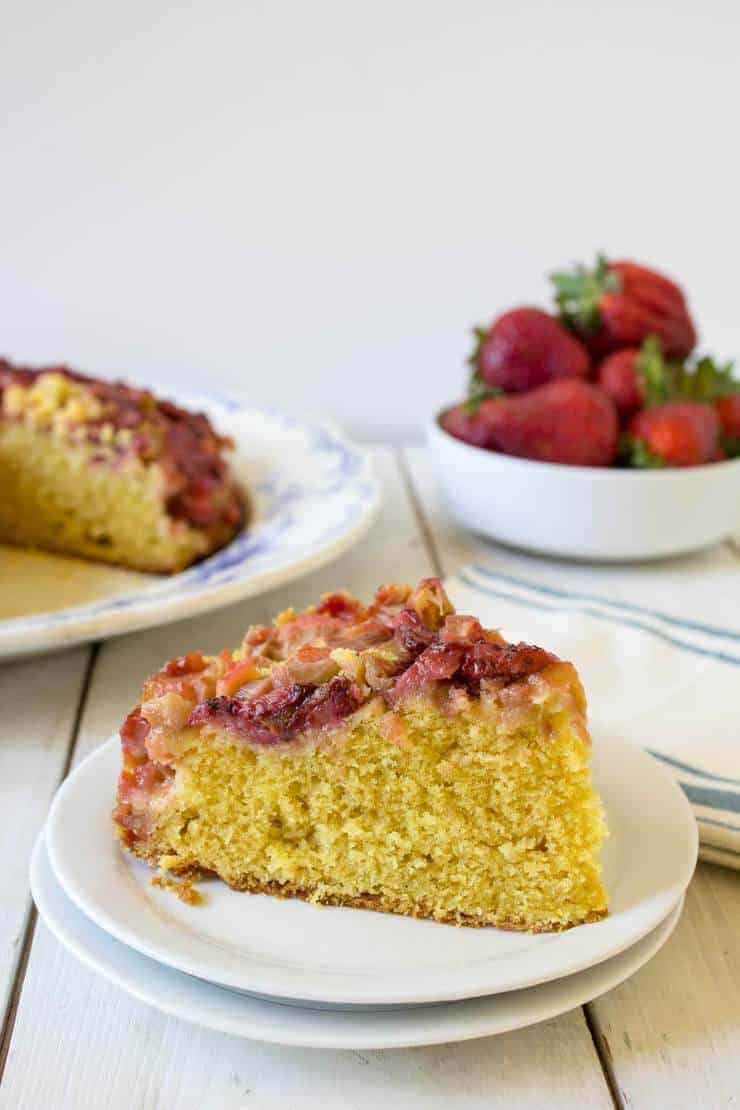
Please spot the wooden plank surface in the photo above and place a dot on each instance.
(96, 1043)
(39, 702)
(672, 1032)
(93, 1038)
(670, 1036)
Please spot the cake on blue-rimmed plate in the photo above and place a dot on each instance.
(110, 472)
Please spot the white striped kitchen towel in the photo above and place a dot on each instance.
(669, 684)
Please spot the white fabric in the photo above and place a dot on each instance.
(670, 684)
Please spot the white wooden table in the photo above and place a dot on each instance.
(669, 1037)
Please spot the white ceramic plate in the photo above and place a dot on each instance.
(313, 495)
(290, 949)
(243, 1016)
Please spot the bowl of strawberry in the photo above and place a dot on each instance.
(595, 431)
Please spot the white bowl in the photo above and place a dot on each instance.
(586, 512)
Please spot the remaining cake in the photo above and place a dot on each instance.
(396, 757)
(109, 472)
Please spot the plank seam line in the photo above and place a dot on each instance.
(603, 1052)
(419, 514)
(29, 928)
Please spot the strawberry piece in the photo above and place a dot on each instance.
(339, 605)
(467, 422)
(568, 421)
(617, 376)
(511, 661)
(618, 304)
(677, 433)
(527, 347)
(728, 410)
(281, 714)
(192, 663)
(637, 377)
(238, 673)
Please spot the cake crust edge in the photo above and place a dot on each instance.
(377, 902)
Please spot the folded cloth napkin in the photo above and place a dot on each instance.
(668, 683)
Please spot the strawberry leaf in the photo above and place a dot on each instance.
(478, 389)
(708, 380)
(635, 452)
(658, 378)
(578, 293)
(478, 392)
(474, 356)
(664, 379)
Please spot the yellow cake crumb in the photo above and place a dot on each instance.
(182, 889)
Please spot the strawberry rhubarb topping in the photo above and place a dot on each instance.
(307, 673)
(123, 421)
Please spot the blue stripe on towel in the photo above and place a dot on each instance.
(721, 656)
(691, 770)
(695, 626)
(713, 799)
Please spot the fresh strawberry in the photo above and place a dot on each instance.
(728, 411)
(677, 433)
(639, 376)
(468, 422)
(524, 348)
(566, 421)
(617, 376)
(618, 304)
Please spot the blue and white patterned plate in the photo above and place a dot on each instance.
(313, 495)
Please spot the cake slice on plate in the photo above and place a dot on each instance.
(397, 757)
(109, 472)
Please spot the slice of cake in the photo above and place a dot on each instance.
(109, 472)
(396, 757)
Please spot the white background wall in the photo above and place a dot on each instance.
(313, 201)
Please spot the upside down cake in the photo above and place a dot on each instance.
(109, 472)
(397, 757)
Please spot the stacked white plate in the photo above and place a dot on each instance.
(293, 973)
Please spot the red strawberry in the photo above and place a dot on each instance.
(636, 377)
(617, 376)
(565, 421)
(677, 433)
(728, 410)
(527, 347)
(618, 304)
(469, 426)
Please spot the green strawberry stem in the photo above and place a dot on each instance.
(635, 452)
(478, 390)
(708, 380)
(578, 293)
(664, 379)
(657, 377)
